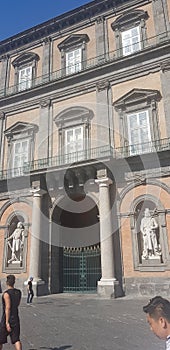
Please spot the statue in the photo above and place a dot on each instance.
(16, 247)
(150, 242)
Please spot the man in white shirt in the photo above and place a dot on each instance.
(158, 316)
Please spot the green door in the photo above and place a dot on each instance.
(81, 269)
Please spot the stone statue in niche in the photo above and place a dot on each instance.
(15, 243)
(149, 228)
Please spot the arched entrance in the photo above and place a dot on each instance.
(75, 250)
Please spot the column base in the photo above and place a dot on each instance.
(39, 286)
(109, 288)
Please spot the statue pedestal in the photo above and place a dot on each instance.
(152, 260)
(14, 264)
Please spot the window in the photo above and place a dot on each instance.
(25, 70)
(25, 78)
(139, 132)
(73, 61)
(74, 133)
(131, 41)
(20, 155)
(21, 138)
(73, 53)
(130, 32)
(138, 121)
(74, 143)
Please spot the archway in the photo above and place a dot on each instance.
(75, 246)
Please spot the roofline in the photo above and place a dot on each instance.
(86, 12)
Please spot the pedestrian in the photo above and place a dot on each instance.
(10, 323)
(30, 293)
(158, 317)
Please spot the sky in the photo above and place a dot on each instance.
(17, 16)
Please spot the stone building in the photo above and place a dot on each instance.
(85, 151)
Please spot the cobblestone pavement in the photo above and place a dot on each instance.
(80, 322)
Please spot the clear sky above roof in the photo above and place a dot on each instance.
(17, 16)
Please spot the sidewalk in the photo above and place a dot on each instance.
(80, 322)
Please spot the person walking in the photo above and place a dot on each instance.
(10, 322)
(30, 293)
(158, 316)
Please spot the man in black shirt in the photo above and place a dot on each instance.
(30, 291)
(10, 323)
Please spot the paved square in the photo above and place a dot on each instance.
(60, 322)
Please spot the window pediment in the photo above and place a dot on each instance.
(25, 59)
(73, 40)
(129, 18)
(137, 96)
(20, 127)
(74, 114)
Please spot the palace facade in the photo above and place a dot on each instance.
(85, 151)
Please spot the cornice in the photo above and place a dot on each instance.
(88, 12)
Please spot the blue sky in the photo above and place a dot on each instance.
(19, 15)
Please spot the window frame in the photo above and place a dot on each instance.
(128, 21)
(22, 62)
(20, 132)
(70, 44)
(73, 65)
(73, 118)
(140, 144)
(135, 101)
(130, 46)
(26, 82)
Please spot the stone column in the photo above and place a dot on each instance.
(44, 127)
(35, 267)
(106, 286)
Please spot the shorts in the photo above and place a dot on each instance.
(14, 334)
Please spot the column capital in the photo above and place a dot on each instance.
(37, 192)
(104, 182)
(102, 85)
(2, 115)
(45, 103)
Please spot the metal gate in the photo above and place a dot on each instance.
(81, 269)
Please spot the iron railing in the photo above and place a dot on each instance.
(81, 157)
(85, 65)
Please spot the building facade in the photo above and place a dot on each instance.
(85, 146)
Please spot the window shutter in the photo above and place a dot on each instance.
(131, 41)
(139, 132)
(73, 61)
(25, 78)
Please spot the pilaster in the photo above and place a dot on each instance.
(46, 59)
(44, 125)
(103, 113)
(161, 19)
(2, 119)
(165, 81)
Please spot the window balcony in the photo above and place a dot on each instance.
(89, 157)
(109, 57)
(143, 148)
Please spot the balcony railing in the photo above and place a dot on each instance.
(97, 154)
(88, 64)
(143, 148)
